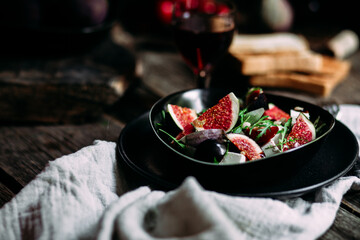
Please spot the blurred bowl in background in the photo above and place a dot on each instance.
(53, 26)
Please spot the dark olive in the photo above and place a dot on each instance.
(257, 100)
(209, 150)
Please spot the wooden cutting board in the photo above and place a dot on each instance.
(322, 83)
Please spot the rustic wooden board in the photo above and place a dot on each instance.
(64, 89)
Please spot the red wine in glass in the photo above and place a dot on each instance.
(203, 31)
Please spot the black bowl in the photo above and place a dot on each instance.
(265, 170)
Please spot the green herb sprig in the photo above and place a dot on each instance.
(163, 115)
(241, 120)
(182, 145)
(283, 132)
(318, 127)
(263, 125)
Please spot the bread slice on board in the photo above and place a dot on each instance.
(306, 61)
(333, 72)
(268, 43)
(284, 60)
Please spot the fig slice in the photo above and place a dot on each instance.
(277, 114)
(266, 136)
(302, 132)
(182, 116)
(295, 113)
(223, 115)
(246, 145)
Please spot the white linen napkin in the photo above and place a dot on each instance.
(82, 196)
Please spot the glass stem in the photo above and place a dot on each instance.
(202, 79)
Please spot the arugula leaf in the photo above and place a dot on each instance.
(256, 120)
(316, 125)
(182, 145)
(238, 128)
(242, 115)
(163, 115)
(264, 126)
(254, 116)
(262, 122)
(283, 132)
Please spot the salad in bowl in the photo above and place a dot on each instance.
(240, 130)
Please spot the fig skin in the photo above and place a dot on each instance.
(196, 138)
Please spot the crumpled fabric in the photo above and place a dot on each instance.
(67, 199)
(191, 212)
(83, 196)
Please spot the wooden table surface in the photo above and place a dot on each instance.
(43, 120)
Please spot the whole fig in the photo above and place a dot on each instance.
(74, 13)
(91, 12)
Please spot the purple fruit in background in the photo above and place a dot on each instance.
(92, 12)
(74, 13)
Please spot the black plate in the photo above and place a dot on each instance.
(142, 158)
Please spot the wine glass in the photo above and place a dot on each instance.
(203, 31)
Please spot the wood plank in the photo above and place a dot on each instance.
(66, 89)
(25, 151)
(351, 203)
(165, 73)
(346, 226)
(5, 194)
